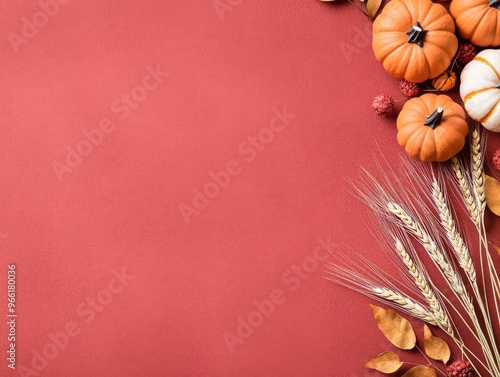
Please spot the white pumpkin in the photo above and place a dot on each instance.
(480, 89)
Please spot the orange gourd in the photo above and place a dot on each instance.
(414, 39)
(477, 21)
(432, 128)
(445, 81)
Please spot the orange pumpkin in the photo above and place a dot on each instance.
(478, 21)
(432, 128)
(445, 81)
(414, 39)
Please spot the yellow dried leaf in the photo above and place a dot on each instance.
(372, 7)
(436, 348)
(496, 248)
(420, 371)
(387, 362)
(492, 191)
(395, 328)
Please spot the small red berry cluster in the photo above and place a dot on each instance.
(460, 368)
(496, 160)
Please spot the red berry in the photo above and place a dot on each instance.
(496, 160)
(383, 105)
(409, 89)
(466, 52)
(461, 368)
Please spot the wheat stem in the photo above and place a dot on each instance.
(448, 272)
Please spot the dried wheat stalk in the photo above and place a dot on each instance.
(469, 199)
(430, 296)
(426, 215)
(459, 247)
(429, 245)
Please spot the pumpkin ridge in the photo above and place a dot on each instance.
(413, 8)
(474, 92)
(441, 48)
(396, 16)
(490, 113)
(479, 19)
(496, 24)
(427, 64)
(430, 25)
(400, 64)
(430, 12)
(485, 18)
(416, 56)
(388, 61)
(429, 138)
(390, 44)
(485, 61)
(417, 137)
(472, 9)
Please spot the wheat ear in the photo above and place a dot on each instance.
(430, 246)
(470, 200)
(424, 286)
(459, 247)
(477, 170)
(409, 305)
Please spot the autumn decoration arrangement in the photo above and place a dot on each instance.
(432, 213)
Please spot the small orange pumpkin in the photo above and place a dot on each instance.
(445, 81)
(414, 39)
(432, 128)
(478, 21)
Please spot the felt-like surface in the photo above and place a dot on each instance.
(158, 98)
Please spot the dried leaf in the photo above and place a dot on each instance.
(395, 328)
(387, 362)
(372, 7)
(436, 348)
(492, 191)
(420, 371)
(496, 248)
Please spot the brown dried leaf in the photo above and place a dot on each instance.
(372, 7)
(436, 348)
(496, 248)
(492, 191)
(420, 371)
(395, 328)
(387, 362)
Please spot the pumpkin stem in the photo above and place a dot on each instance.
(417, 33)
(434, 119)
(498, 86)
(494, 4)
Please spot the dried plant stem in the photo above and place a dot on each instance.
(448, 273)
(477, 172)
(462, 253)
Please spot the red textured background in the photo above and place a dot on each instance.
(119, 208)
